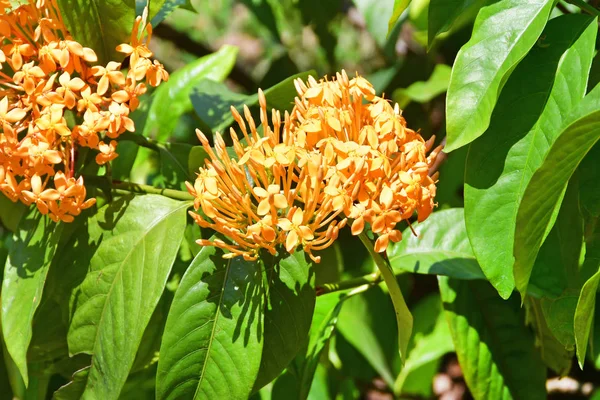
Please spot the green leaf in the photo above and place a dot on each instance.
(554, 354)
(11, 213)
(172, 99)
(491, 341)
(559, 314)
(399, 7)
(543, 194)
(213, 101)
(136, 241)
(502, 162)
(160, 9)
(584, 316)
(174, 160)
(423, 92)
(213, 337)
(441, 248)
(29, 259)
(376, 339)
(556, 267)
(503, 33)
(324, 322)
(376, 15)
(100, 25)
(73, 389)
(446, 14)
(431, 340)
(589, 175)
(288, 314)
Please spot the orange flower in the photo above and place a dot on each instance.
(343, 153)
(53, 74)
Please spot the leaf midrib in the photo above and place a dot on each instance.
(119, 274)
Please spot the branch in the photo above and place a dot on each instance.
(584, 7)
(368, 280)
(130, 187)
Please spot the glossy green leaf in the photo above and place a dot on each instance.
(399, 7)
(443, 15)
(554, 353)
(376, 339)
(288, 313)
(172, 99)
(100, 25)
(584, 315)
(29, 259)
(491, 340)
(544, 191)
(441, 248)
(136, 241)
(425, 91)
(502, 162)
(503, 33)
(213, 338)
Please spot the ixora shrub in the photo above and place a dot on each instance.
(287, 248)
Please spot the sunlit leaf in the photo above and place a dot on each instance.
(99, 24)
(422, 92)
(503, 33)
(134, 244)
(441, 248)
(29, 259)
(213, 337)
(544, 191)
(527, 120)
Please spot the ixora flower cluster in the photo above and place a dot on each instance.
(48, 79)
(342, 156)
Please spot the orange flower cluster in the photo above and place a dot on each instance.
(53, 99)
(343, 154)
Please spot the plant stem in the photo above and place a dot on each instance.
(403, 315)
(147, 189)
(584, 6)
(368, 280)
(130, 187)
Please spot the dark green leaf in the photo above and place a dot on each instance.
(503, 33)
(502, 162)
(445, 14)
(172, 99)
(288, 316)
(136, 241)
(491, 340)
(376, 339)
(325, 318)
(174, 160)
(544, 192)
(556, 267)
(100, 25)
(442, 248)
(584, 315)
(554, 354)
(264, 13)
(74, 389)
(589, 176)
(213, 337)
(30, 256)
